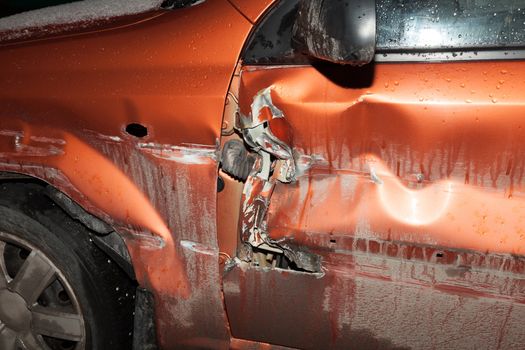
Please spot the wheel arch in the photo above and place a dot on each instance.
(108, 177)
(105, 237)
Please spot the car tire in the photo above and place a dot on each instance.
(57, 289)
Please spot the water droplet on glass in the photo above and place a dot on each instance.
(504, 71)
(494, 100)
(468, 101)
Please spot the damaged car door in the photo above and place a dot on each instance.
(383, 203)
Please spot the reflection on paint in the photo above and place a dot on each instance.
(411, 206)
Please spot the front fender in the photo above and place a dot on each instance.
(75, 167)
(64, 105)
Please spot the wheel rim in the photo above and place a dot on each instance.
(38, 308)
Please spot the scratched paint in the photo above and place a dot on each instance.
(19, 144)
(186, 154)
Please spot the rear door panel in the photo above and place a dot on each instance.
(410, 188)
(428, 153)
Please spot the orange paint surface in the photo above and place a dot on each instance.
(426, 153)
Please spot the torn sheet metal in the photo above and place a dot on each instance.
(259, 186)
(258, 114)
(276, 162)
(265, 129)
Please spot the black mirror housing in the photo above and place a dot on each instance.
(339, 31)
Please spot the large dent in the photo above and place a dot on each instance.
(417, 216)
(276, 163)
(383, 161)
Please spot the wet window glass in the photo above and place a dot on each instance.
(450, 24)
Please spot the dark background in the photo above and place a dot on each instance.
(11, 7)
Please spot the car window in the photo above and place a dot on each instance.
(411, 30)
(450, 24)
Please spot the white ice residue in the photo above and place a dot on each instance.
(198, 247)
(81, 11)
(304, 162)
(186, 154)
(44, 139)
(103, 137)
(374, 177)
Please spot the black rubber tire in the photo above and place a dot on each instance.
(104, 292)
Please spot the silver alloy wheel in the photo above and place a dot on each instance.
(38, 308)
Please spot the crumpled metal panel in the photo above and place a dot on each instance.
(428, 153)
(410, 187)
(64, 106)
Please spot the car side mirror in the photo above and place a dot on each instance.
(339, 31)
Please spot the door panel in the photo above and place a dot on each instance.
(410, 188)
(429, 153)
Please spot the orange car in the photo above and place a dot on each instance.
(262, 174)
